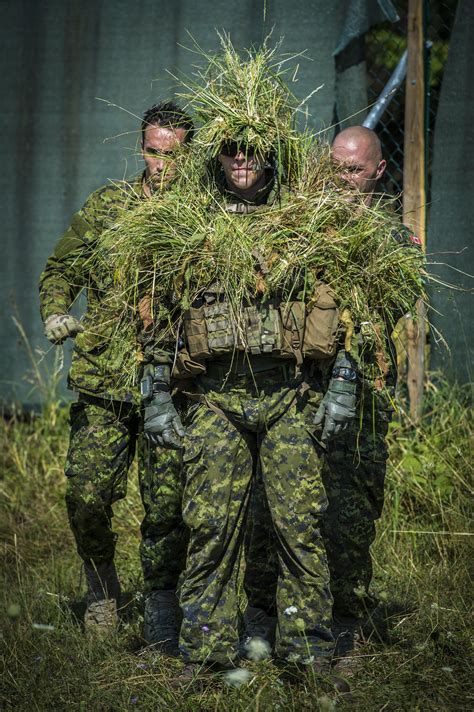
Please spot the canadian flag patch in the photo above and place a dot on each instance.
(416, 240)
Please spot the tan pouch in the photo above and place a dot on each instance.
(293, 324)
(195, 330)
(186, 367)
(322, 322)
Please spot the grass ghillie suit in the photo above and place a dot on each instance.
(254, 299)
(106, 419)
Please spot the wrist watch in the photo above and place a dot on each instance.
(348, 374)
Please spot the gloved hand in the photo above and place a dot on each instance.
(338, 408)
(58, 327)
(162, 425)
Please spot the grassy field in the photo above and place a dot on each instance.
(419, 658)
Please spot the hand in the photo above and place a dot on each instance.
(162, 424)
(337, 410)
(144, 310)
(58, 327)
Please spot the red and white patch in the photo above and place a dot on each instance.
(416, 240)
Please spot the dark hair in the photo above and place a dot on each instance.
(167, 113)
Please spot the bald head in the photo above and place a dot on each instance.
(357, 153)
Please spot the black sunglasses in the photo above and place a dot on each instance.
(232, 148)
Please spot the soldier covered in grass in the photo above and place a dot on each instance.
(251, 411)
(106, 418)
(266, 268)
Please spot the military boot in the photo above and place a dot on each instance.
(103, 597)
(349, 639)
(162, 621)
(258, 638)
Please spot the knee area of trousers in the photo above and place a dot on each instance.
(85, 512)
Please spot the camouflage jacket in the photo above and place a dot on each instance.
(377, 364)
(95, 368)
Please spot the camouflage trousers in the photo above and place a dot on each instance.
(227, 435)
(104, 437)
(353, 473)
(354, 476)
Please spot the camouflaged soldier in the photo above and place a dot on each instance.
(253, 414)
(106, 419)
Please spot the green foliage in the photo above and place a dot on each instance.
(386, 47)
(418, 659)
(177, 245)
(431, 461)
(245, 99)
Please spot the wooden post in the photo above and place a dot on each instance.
(414, 190)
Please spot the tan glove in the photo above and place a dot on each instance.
(58, 327)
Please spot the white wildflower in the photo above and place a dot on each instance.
(237, 677)
(42, 626)
(257, 648)
(290, 610)
(326, 704)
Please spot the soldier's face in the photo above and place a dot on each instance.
(158, 146)
(357, 165)
(242, 168)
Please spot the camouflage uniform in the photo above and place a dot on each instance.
(354, 476)
(227, 434)
(253, 420)
(105, 421)
(353, 473)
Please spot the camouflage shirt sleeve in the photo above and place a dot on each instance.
(372, 350)
(65, 273)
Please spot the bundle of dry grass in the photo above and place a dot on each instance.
(180, 243)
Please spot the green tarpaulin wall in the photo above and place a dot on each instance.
(450, 226)
(59, 142)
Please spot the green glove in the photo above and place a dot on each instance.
(162, 425)
(339, 406)
(58, 327)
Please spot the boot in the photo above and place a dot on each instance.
(162, 621)
(347, 633)
(259, 634)
(295, 673)
(103, 597)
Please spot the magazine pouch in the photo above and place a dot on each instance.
(322, 322)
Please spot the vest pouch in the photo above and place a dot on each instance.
(271, 334)
(293, 315)
(252, 337)
(186, 367)
(322, 322)
(220, 329)
(195, 330)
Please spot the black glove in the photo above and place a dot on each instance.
(162, 424)
(338, 408)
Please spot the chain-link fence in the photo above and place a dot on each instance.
(385, 46)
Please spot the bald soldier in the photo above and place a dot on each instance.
(355, 465)
(358, 154)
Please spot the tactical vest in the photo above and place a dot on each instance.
(287, 330)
